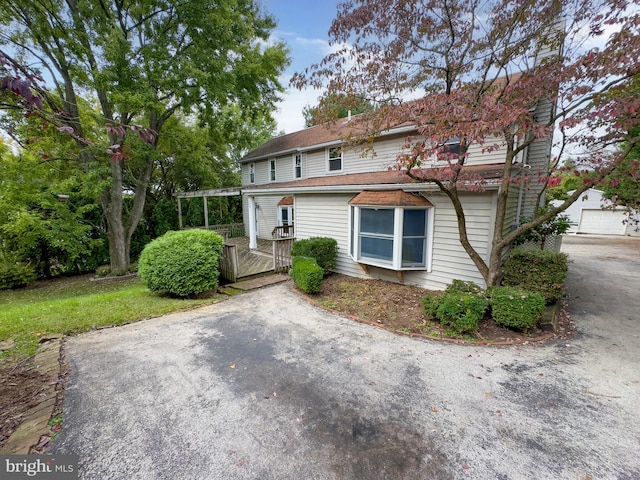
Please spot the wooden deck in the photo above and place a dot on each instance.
(252, 263)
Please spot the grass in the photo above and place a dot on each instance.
(70, 306)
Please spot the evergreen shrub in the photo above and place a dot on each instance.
(307, 274)
(182, 263)
(515, 308)
(537, 271)
(323, 249)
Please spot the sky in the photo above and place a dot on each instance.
(303, 26)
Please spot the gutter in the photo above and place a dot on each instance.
(410, 187)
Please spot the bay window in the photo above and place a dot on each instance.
(391, 234)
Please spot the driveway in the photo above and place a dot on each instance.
(265, 386)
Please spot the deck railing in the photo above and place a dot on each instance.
(229, 266)
(282, 231)
(282, 254)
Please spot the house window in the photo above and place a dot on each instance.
(450, 150)
(297, 165)
(397, 235)
(272, 169)
(252, 173)
(335, 159)
(285, 216)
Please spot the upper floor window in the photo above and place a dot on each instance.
(450, 150)
(297, 165)
(252, 173)
(335, 159)
(272, 169)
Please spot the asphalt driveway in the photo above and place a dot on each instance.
(265, 386)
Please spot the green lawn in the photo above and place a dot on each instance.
(75, 305)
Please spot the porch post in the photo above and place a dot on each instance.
(205, 204)
(253, 241)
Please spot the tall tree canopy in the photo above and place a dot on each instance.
(483, 71)
(138, 63)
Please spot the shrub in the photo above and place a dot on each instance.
(537, 271)
(515, 308)
(307, 274)
(431, 303)
(14, 273)
(461, 311)
(323, 249)
(182, 263)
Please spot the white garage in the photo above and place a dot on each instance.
(603, 222)
(593, 214)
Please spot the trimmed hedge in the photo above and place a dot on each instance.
(461, 306)
(323, 249)
(537, 271)
(15, 274)
(182, 263)
(461, 311)
(307, 274)
(515, 308)
(431, 303)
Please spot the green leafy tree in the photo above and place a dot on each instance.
(43, 215)
(335, 105)
(141, 63)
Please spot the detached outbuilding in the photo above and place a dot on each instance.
(596, 215)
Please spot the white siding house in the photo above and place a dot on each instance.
(386, 225)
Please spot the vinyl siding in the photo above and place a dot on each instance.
(328, 215)
(267, 214)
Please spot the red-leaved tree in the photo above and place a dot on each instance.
(499, 74)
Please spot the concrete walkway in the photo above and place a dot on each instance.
(264, 386)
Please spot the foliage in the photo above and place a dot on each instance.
(622, 187)
(430, 304)
(38, 224)
(461, 306)
(497, 75)
(139, 64)
(461, 311)
(323, 249)
(72, 305)
(307, 274)
(14, 273)
(335, 106)
(182, 263)
(556, 225)
(537, 271)
(515, 308)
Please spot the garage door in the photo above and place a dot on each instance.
(603, 222)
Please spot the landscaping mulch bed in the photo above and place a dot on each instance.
(396, 307)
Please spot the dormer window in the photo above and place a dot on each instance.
(334, 155)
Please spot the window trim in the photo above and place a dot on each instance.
(290, 214)
(329, 158)
(354, 236)
(252, 172)
(272, 170)
(296, 167)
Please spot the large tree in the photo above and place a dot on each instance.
(482, 71)
(140, 63)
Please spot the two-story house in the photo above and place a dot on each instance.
(386, 225)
